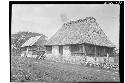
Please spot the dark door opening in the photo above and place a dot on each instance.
(61, 50)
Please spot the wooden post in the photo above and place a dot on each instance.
(95, 53)
(104, 51)
(84, 51)
(27, 52)
(108, 57)
(105, 54)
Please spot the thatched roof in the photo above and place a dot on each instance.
(80, 31)
(31, 41)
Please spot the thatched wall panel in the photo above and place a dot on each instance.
(100, 51)
(109, 51)
(76, 48)
(90, 50)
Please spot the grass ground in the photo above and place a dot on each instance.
(30, 70)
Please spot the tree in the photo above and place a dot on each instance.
(18, 39)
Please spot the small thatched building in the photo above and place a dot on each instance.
(80, 38)
(31, 47)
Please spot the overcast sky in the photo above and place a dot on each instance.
(45, 18)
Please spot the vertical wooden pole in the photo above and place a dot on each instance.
(104, 51)
(95, 53)
(27, 52)
(104, 54)
(85, 53)
(108, 57)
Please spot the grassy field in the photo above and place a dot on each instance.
(30, 70)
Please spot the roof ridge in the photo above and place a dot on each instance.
(87, 19)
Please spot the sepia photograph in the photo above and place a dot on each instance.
(64, 43)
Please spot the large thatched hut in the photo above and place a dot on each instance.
(78, 39)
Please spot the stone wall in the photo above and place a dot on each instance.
(76, 59)
(100, 59)
(90, 59)
(55, 51)
(66, 51)
(67, 56)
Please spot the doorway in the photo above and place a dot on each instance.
(61, 50)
